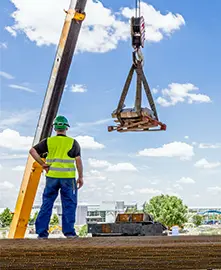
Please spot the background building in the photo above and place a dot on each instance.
(106, 211)
(197, 209)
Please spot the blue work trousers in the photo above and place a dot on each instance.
(68, 191)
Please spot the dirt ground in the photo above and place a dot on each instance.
(175, 252)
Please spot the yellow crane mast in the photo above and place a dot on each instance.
(67, 43)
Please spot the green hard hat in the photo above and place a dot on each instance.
(60, 123)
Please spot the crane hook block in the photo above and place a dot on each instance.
(138, 32)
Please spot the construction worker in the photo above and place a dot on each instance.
(63, 153)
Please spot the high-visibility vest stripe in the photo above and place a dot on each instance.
(62, 169)
(59, 160)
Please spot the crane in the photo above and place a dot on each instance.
(75, 15)
(137, 118)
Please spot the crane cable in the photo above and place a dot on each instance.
(137, 8)
(137, 51)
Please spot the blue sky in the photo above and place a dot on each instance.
(182, 51)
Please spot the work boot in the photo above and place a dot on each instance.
(72, 236)
(42, 237)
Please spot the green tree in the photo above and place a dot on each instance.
(131, 210)
(169, 210)
(197, 220)
(32, 220)
(83, 231)
(54, 220)
(6, 218)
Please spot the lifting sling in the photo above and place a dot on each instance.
(137, 118)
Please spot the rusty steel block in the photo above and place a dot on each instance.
(126, 228)
(123, 218)
(137, 217)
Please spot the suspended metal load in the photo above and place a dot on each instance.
(137, 118)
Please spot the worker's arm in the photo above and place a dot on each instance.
(37, 150)
(79, 166)
(36, 157)
(75, 152)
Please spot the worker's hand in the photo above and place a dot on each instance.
(46, 167)
(80, 182)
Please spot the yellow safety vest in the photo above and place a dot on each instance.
(61, 165)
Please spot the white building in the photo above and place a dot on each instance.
(104, 212)
(201, 209)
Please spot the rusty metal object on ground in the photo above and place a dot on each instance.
(127, 229)
(128, 224)
(131, 253)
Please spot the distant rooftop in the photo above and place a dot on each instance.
(113, 205)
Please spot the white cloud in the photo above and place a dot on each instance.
(186, 180)
(88, 142)
(11, 139)
(176, 93)
(3, 45)
(171, 192)
(6, 75)
(186, 137)
(209, 145)
(11, 31)
(155, 91)
(4, 156)
(98, 163)
(178, 187)
(203, 163)
(6, 185)
(175, 149)
(214, 190)
(10, 119)
(101, 31)
(20, 87)
(78, 88)
(127, 193)
(121, 167)
(19, 168)
(154, 182)
(0, 166)
(94, 174)
(127, 187)
(109, 190)
(94, 123)
(148, 191)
